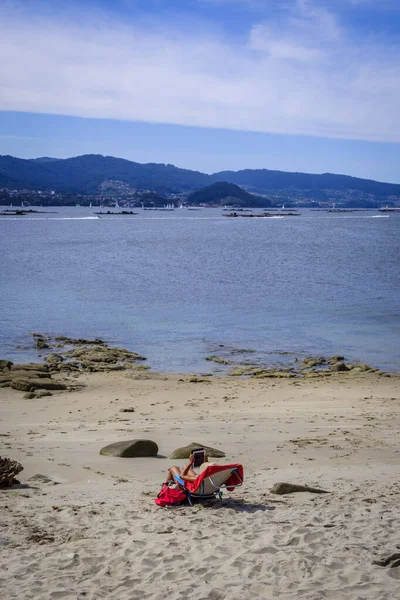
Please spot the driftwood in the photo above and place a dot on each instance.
(8, 470)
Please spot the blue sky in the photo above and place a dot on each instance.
(297, 85)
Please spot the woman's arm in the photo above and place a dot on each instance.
(187, 472)
(189, 477)
(188, 467)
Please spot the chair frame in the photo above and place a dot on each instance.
(202, 496)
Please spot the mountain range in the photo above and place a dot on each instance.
(87, 175)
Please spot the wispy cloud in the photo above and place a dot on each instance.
(301, 72)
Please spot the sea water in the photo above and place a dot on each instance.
(178, 286)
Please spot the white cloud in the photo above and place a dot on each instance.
(303, 74)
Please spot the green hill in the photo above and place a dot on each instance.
(84, 174)
(224, 193)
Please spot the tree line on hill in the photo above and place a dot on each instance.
(84, 175)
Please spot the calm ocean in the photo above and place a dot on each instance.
(175, 286)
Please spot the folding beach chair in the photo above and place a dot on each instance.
(212, 480)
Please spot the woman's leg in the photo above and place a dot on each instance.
(177, 471)
(171, 472)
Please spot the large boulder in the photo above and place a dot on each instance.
(131, 449)
(186, 451)
(290, 488)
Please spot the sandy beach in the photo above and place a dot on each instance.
(95, 532)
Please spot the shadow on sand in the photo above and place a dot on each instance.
(236, 504)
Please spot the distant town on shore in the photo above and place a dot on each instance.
(96, 180)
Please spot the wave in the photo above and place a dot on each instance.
(49, 218)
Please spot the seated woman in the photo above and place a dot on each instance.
(187, 473)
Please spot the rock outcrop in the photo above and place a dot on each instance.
(93, 358)
(28, 378)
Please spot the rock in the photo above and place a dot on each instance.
(27, 373)
(41, 393)
(5, 364)
(336, 358)
(29, 395)
(8, 470)
(314, 361)
(83, 341)
(290, 488)
(54, 359)
(244, 370)
(41, 344)
(386, 560)
(339, 367)
(37, 335)
(28, 385)
(317, 374)
(185, 451)
(130, 449)
(39, 478)
(103, 358)
(31, 367)
(198, 380)
(277, 374)
(98, 367)
(77, 341)
(362, 368)
(48, 384)
(216, 359)
(66, 366)
(24, 385)
(99, 357)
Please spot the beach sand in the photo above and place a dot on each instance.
(98, 534)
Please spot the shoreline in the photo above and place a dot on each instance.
(98, 530)
(220, 360)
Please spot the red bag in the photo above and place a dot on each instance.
(169, 496)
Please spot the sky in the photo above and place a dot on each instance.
(210, 85)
